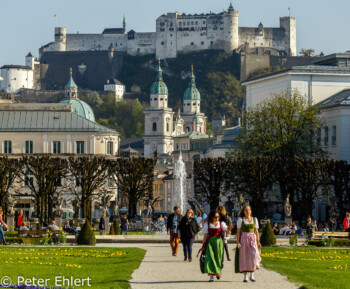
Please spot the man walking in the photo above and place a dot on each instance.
(173, 229)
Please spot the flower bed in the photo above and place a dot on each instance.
(310, 267)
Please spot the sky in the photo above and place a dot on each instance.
(27, 25)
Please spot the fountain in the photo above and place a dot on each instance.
(180, 194)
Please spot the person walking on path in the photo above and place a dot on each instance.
(248, 244)
(124, 224)
(102, 225)
(188, 229)
(200, 222)
(346, 222)
(173, 229)
(224, 218)
(2, 223)
(213, 245)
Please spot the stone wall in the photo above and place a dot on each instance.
(91, 69)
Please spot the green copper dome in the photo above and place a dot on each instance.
(192, 92)
(159, 87)
(71, 82)
(80, 108)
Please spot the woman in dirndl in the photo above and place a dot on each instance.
(248, 244)
(213, 246)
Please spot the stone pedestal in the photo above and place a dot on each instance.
(288, 220)
(11, 223)
(106, 224)
(58, 221)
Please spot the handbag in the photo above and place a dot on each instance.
(201, 263)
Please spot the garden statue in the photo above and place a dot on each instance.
(11, 202)
(105, 203)
(149, 210)
(287, 207)
(58, 207)
(76, 207)
(240, 201)
(115, 209)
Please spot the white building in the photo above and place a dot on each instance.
(115, 86)
(316, 82)
(16, 77)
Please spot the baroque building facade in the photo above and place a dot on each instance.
(179, 33)
(160, 126)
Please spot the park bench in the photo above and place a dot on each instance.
(319, 234)
(38, 233)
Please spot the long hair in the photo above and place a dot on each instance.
(221, 210)
(241, 213)
(211, 216)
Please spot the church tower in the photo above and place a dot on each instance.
(158, 119)
(192, 107)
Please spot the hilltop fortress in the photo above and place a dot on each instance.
(181, 33)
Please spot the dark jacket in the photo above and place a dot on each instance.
(188, 228)
(102, 225)
(170, 221)
(224, 218)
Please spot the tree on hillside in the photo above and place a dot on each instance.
(307, 52)
(134, 178)
(209, 177)
(9, 168)
(222, 94)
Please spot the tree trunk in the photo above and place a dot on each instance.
(132, 208)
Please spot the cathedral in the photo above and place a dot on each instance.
(160, 125)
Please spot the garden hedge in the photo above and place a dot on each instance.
(86, 235)
(267, 238)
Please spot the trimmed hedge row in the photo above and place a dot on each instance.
(336, 243)
(34, 241)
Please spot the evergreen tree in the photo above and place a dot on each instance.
(267, 238)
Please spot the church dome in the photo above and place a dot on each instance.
(159, 87)
(192, 92)
(80, 108)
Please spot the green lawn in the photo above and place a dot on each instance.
(106, 267)
(313, 268)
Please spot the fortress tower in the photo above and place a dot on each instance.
(289, 25)
(60, 39)
(158, 119)
(231, 34)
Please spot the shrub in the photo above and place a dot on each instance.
(293, 240)
(11, 234)
(86, 235)
(115, 228)
(268, 238)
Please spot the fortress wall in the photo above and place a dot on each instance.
(271, 37)
(144, 43)
(96, 42)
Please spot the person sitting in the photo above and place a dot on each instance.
(293, 228)
(275, 229)
(67, 228)
(53, 226)
(314, 226)
(286, 230)
(325, 228)
(23, 227)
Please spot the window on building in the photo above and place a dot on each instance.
(28, 147)
(192, 43)
(56, 147)
(334, 135)
(58, 182)
(177, 147)
(110, 148)
(78, 180)
(28, 178)
(80, 147)
(188, 22)
(167, 127)
(110, 183)
(318, 136)
(325, 139)
(202, 42)
(192, 23)
(7, 147)
(187, 129)
(154, 126)
(180, 23)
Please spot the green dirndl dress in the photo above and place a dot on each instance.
(214, 253)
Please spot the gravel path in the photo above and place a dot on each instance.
(160, 270)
